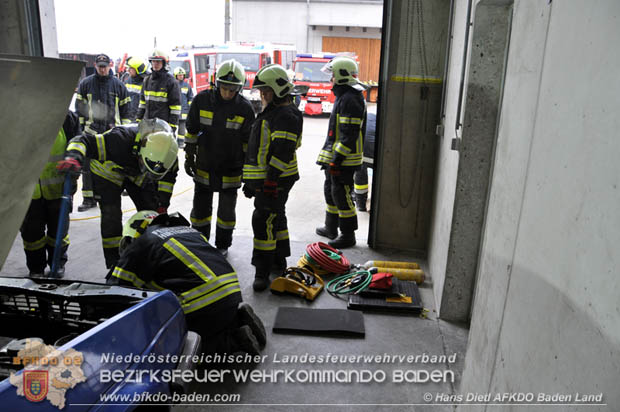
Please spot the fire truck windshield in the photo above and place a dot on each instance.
(179, 63)
(250, 61)
(311, 72)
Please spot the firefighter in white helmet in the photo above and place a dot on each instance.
(218, 128)
(187, 95)
(161, 98)
(342, 152)
(132, 158)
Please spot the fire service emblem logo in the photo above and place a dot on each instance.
(35, 385)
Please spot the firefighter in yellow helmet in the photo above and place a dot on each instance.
(137, 72)
(218, 128)
(132, 158)
(162, 252)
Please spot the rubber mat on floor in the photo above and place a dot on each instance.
(319, 322)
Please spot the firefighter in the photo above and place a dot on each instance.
(270, 170)
(342, 152)
(102, 102)
(130, 158)
(187, 94)
(133, 82)
(218, 129)
(162, 252)
(161, 98)
(44, 210)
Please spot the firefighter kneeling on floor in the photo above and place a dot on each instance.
(163, 252)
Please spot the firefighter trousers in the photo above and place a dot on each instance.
(87, 180)
(338, 191)
(360, 180)
(108, 194)
(202, 211)
(271, 239)
(39, 234)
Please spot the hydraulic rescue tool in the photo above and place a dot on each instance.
(298, 281)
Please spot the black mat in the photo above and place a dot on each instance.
(386, 301)
(331, 322)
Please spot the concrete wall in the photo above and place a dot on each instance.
(546, 316)
(304, 24)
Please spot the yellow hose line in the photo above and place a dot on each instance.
(128, 210)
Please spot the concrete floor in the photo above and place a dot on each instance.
(385, 333)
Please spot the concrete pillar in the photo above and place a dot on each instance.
(20, 28)
(488, 48)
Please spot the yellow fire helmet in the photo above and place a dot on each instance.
(137, 64)
(344, 70)
(135, 226)
(274, 76)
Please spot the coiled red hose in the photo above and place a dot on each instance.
(317, 254)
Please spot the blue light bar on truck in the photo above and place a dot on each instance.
(316, 56)
(184, 54)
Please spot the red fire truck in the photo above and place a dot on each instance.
(253, 56)
(198, 63)
(307, 68)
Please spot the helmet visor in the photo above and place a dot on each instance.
(152, 170)
(228, 86)
(328, 68)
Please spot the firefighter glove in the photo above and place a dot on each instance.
(270, 189)
(248, 191)
(334, 169)
(69, 164)
(162, 210)
(190, 164)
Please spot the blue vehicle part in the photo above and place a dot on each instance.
(154, 326)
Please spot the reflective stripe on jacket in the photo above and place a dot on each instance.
(275, 137)
(180, 259)
(160, 97)
(102, 102)
(344, 143)
(51, 182)
(221, 130)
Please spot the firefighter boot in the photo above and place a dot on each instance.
(261, 280)
(245, 341)
(278, 266)
(330, 230)
(360, 202)
(88, 203)
(343, 241)
(246, 316)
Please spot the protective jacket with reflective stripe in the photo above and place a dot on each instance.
(102, 102)
(344, 144)
(187, 95)
(275, 137)
(134, 87)
(50, 183)
(180, 259)
(221, 130)
(160, 97)
(116, 152)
